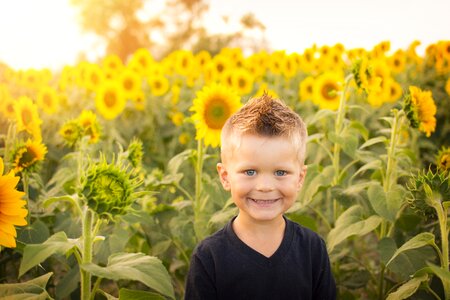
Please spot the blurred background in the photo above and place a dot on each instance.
(53, 33)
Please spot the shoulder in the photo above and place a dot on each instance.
(306, 237)
(212, 244)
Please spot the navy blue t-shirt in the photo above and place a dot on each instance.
(224, 267)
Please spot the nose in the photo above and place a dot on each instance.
(265, 183)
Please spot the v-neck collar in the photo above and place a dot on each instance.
(254, 255)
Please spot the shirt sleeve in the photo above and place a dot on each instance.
(199, 283)
(325, 287)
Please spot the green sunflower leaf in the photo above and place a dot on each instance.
(351, 223)
(126, 294)
(420, 240)
(407, 289)
(34, 254)
(135, 266)
(33, 289)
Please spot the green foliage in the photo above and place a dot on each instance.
(135, 266)
(32, 289)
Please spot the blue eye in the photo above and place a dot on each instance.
(250, 172)
(280, 173)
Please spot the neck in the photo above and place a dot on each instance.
(242, 225)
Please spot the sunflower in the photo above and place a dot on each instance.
(141, 60)
(418, 199)
(202, 59)
(27, 116)
(213, 105)
(177, 118)
(139, 101)
(27, 155)
(276, 61)
(265, 90)
(365, 77)
(12, 212)
(306, 88)
(175, 91)
(397, 61)
(159, 85)
(89, 124)
(184, 62)
(48, 100)
(94, 77)
(6, 103)
(380, 49)
(307, 60)
(31, 79)
(447, 86)
(112, 62)
(234, 55)
(220, 63)
(256, 65)
(108, 189)
(130, 82)
(242, 81)
(289, 67)
(67, 78)
(443, 159)
(420, 110)
(110, 100)
(71, 132)
(326, 90)
(394, 90)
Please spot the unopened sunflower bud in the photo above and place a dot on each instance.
(135, 153)
(425, 189)
(108, 189)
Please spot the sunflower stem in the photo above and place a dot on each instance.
(443, 226)
(198, 224)
(27, 198)
(389, 180)
(87, 254)
(337, 147)
(9, 139)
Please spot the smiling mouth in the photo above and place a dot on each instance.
(260, 201)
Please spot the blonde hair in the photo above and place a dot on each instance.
(264, 116)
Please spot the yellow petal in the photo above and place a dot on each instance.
(15, 220)
(7, 240)
(7, 228)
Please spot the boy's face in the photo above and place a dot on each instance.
(264, 176)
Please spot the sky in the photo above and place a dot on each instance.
(45, 33)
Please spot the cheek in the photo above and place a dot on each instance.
(238, 185)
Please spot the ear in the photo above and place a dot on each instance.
(301, 177)
(223, 174)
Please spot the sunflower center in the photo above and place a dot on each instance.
(143, 62)
(216, 113)
(184, 62)
(27, 158)
(47, 99)
(220, 68)
(110, 99)
(157, 84)
(308, 57)
(10, 108)
(128, 84)
(27, 116)
(242, 83)
(95, 79)
(327, 91)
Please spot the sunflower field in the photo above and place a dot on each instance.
(108, 177)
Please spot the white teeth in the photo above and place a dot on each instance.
(263, 201)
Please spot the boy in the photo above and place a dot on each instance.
(260, 254)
